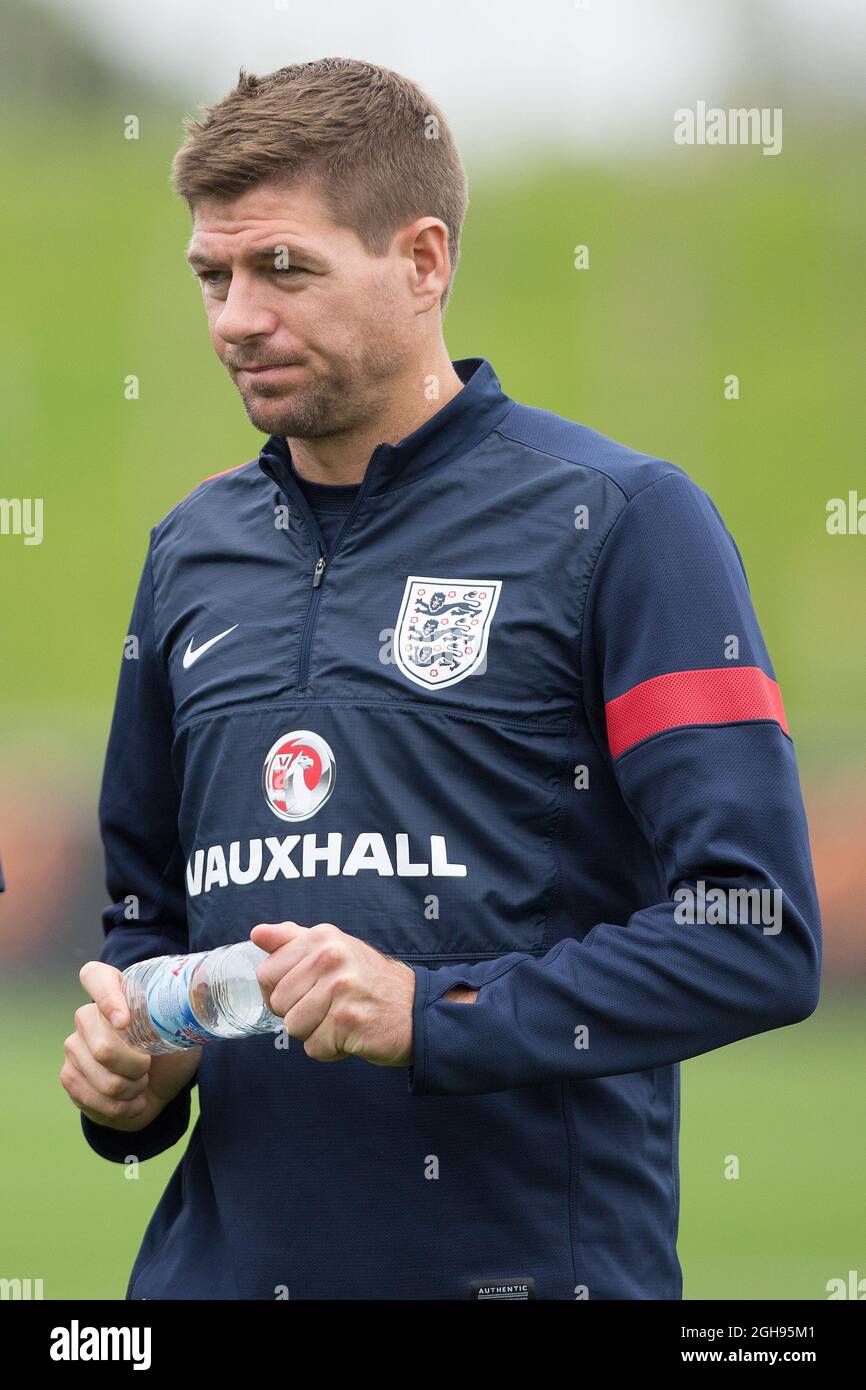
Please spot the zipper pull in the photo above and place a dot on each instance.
(318, 571)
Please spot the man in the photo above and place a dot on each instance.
(509, 888)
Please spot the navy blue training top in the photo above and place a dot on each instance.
(519, 729)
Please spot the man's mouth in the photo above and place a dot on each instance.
(265, 369)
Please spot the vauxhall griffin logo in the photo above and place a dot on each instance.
(441, 632)
(298, 775)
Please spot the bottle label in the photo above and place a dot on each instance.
(169, 1007)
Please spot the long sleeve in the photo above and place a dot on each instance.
(683, 706)
(138, 818)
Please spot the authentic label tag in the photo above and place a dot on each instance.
(511, 1290)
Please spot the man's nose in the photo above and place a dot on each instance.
(244, 315)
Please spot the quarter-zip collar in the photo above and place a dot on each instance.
(462, 423)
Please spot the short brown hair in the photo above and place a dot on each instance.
(379, 148)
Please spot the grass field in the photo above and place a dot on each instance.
(788, 1105)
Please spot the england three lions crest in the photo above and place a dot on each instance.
(442, 629)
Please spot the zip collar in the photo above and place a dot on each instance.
(455, 429)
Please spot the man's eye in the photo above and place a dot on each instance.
(290, 269)
(209, 277)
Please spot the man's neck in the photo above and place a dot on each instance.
(343, 458)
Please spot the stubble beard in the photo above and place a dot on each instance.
(312, 411)
(353, 392)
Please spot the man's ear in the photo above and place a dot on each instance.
(425, 242)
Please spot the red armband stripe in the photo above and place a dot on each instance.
(725, 695)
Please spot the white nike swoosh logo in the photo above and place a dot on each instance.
(192, 653)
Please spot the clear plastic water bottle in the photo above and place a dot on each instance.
(177, 1002)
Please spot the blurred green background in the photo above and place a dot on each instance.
(699, 267)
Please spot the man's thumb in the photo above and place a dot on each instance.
(102, 983)
(269, 936)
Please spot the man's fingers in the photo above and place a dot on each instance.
(116, 1085)
(309, 1012)
(107, 1046)
(102, 983)
(322, 1043)
(286, 943)
(292, 970)
(271, 972)
(96, 1106)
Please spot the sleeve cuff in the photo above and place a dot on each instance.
(450, 1040)
(117, 1145)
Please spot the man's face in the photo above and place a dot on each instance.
(311, 328)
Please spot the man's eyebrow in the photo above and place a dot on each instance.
(198, 260)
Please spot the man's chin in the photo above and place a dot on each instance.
(280, 414)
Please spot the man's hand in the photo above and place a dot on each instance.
(338, 995)
(112, 1083)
